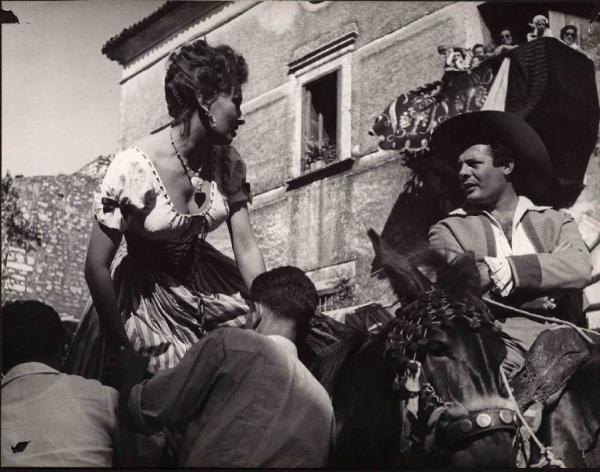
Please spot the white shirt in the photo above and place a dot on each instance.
(500, 271)
(50, 419)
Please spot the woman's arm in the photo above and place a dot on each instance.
(102, 247)
(245, 248)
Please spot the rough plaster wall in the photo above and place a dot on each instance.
(325, 223)
(265, 142)
(142, 107)
(290, 26)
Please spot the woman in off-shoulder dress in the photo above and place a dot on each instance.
(164, 194)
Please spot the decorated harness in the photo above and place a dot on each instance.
(405, 341)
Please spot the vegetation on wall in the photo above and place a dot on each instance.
(17, 230)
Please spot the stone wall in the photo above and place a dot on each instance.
(60, 207)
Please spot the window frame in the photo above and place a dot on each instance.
(342, 64)
(306, 119)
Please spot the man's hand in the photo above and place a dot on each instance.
(484, 275)
(126, 367)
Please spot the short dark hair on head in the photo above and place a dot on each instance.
(501, 153)
(478, 45)
(31, 331)
(288, 293)
(566, 28)
(197, 68)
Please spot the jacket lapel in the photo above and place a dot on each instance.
(531, 233)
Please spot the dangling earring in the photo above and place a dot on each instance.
(205, 116)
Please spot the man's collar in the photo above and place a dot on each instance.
(526, 205)
(285, 342)
(27, 368)
(523, 206)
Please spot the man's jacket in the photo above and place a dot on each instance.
(561, 268)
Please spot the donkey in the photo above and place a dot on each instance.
(425, 390)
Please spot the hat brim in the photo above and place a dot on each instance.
(533, 167)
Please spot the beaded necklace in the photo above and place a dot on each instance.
(194, 176)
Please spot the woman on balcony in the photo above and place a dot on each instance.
(164, 194)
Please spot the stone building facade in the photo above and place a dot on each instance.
(362, 53)
(370, 52)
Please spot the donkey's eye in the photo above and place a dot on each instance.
(437, 349)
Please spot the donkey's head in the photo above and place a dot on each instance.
(446, 349)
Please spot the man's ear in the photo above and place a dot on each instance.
(256, 315)
(508, 167)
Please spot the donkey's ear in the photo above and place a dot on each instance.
(406, 280)
(462, 276)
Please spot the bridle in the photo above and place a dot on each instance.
(432, 429)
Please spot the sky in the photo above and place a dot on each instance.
(60, 94)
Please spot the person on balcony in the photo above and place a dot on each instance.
(529, 256)
(507, 42)
(540, 28)
(568, 35)
(164, 194)
(479, 55)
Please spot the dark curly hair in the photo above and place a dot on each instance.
(288, 293)
(197, 68)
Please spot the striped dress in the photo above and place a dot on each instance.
(171, 285)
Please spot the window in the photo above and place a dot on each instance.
(327, 302)
(321, 73)
(320, 122)
(340, 295)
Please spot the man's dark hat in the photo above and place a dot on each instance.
(533, 167)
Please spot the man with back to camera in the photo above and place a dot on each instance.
(529, 256)
(241, 398)
(49, 419)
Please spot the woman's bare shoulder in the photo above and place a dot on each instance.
(157, 148)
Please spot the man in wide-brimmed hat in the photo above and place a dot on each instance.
(529, 256)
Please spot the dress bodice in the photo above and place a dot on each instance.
(134, 200)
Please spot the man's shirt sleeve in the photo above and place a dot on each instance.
(500, 274)
(173, 394)
(442, 239)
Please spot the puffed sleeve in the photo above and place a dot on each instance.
(234, 177)
(127, 188)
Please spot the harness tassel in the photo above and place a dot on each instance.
(548, 461)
